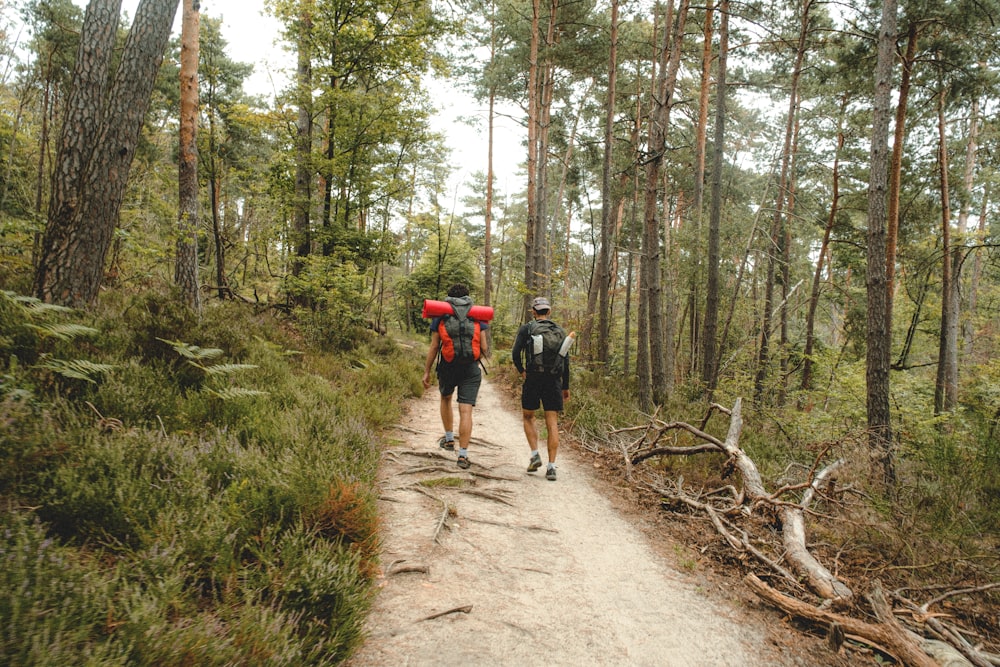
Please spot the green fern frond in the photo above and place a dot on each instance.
(63, 331)
(34, 305)
(233, 393)
(192, 351)
(226, 369)
(77, 369)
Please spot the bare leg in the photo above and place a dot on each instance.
(530, 432)
(447, 416)
(464, 425)
(552, 426)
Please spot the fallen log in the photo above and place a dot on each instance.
(887, 635)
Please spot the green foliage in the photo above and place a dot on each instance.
(230, 530)
(54, 600)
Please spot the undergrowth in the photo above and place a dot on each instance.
(936, 530)
(182, 491)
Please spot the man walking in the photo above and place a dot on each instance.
(540, 356)
(458, 342)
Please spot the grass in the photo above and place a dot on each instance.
(212, 514)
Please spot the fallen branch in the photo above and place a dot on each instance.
(464, 610)
(888, 634)
(494, 495)
(406, 569)
(544, 529)
(441, 522)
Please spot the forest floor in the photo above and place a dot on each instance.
(497, 566)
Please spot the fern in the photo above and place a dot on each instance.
(63, 331)
(233, 393)
(192, 352)
(225, 369)
(77, 369)
(33, 306)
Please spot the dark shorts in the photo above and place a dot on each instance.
(466, 377)
(544, 390)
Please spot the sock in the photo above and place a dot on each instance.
(449, 436)
(463, 452)
(551, 466)
(534, 453)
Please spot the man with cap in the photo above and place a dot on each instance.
(540, 388)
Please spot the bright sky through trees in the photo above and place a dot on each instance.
(253, 38)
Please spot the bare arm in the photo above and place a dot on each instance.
(432, 352)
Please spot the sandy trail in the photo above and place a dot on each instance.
(549, 572)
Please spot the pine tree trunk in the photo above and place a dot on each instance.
(895, 176)
(877, 336)
(607, 198)
(186, 267)
(946, 387)
(823, 249)
(776, 271)
(530, 240)
(301, 226)
(710, 371)
(488, 213)
(97, 146)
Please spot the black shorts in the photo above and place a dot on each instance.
(466, 377)
(544, 390)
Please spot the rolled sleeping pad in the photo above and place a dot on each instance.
(438, 308)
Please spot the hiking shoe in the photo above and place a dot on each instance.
(550, 474)
(535, 463)
(446, 444)
(463, 462)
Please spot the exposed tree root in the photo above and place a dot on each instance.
(466, 609)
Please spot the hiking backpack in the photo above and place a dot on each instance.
(460, 335)
(545, 343)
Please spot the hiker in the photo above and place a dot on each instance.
(540, 356)
(457, 342)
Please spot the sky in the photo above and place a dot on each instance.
(252, 39)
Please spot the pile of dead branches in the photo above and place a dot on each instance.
(767, 531)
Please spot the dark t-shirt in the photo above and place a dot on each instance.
(520, 351)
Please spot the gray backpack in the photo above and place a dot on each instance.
(545, 342)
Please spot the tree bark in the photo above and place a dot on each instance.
(946, 387)
(710, 371)
(777, 238)
(186, 267)
(81, 126)
(659, 110)
(823, 249)
(900, 643)
(895, 176)
(877, 337)
(97, 147)
(301, 226)
(607, 197)
(530, 240)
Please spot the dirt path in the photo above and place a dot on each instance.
(548, 573)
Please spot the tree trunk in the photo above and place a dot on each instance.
(968, 181)
(895, 177)
(186, 267)
(662, 100)
(301, 227)
(877, 336)
(698, 193)
(530, 240)
(823, 249)
(710, 371)
(946, 387)
(488, 214)
(607, 198)
(777, 240)
(97, 146)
